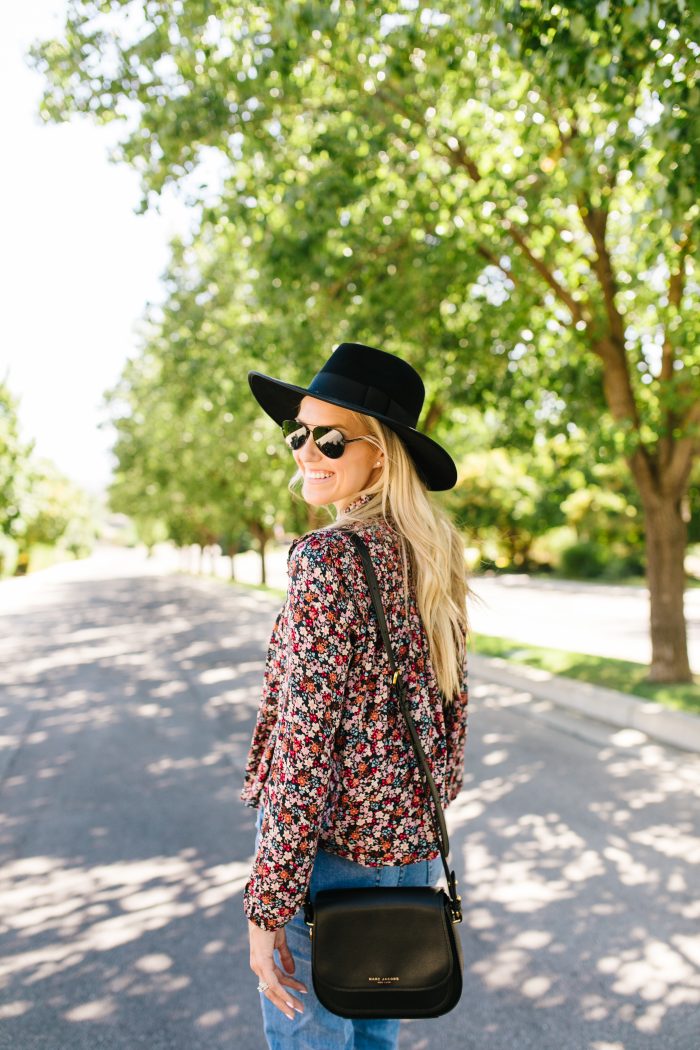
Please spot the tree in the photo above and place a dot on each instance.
(192, 451)
(15, 457)
(507, 193)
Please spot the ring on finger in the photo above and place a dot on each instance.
(262, 985)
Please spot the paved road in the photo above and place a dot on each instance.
(601, 619)
(128, 703)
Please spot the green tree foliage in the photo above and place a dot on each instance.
(504, 193)
(514, 499)
(14, 459)
(192, 449)
(39, 506)
(54, 512)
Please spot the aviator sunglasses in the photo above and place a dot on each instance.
(328, 440)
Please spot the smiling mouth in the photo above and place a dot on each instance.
(309, 478)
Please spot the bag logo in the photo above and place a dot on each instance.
(384, 980)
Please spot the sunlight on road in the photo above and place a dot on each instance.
(88, 909)
(547, 899)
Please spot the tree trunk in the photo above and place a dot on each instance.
(263, 567)
(262, 535)
(666, 538)
(231, 550)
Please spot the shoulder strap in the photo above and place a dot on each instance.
(440, 829)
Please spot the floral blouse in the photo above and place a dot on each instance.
(330, 759)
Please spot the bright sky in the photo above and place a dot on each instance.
(77, 265)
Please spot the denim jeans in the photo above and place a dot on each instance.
(317, 1028)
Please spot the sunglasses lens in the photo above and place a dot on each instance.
(331, 443)
(294, 433)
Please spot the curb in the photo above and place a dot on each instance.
(677, 728)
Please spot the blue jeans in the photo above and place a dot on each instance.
(317, 1028)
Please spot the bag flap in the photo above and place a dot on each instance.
(382, 936)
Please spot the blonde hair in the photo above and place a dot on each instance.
(429, 541)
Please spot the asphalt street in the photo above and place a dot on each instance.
(128, 697)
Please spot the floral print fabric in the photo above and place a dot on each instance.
(331, 757)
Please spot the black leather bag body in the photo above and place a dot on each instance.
(392, 952)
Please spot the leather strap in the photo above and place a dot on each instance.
(439, 827)
(440, 830)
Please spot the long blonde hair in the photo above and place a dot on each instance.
(429, 540)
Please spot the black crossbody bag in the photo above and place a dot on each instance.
(389, 951)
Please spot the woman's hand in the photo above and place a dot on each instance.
(262, 962)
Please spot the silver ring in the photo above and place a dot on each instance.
(262, 985)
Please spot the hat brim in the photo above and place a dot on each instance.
(280, 401)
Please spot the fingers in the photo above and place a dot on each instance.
(280, 997)
(286, 957)
(279, 983)
(292, 982)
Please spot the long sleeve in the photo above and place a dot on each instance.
(456, 724)
(261, 747)
(321, 627)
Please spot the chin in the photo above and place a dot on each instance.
(317, 499)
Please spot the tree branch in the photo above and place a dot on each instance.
(616, 379)
(684, 451)
(459, 157)
(596, 220)
(611, 346)
(675, 293)
(575, 308)
(434, 414)
(485, 252)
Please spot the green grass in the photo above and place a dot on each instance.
(601, 581)
(264, 588)
(625, 581)
(43, 555)
(624, 675)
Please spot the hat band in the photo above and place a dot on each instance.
(330, 384)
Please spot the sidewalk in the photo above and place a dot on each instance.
(644, 717)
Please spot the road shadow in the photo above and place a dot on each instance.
(127, 712)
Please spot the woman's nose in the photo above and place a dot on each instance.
(309, 452)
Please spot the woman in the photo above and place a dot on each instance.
(331, 768)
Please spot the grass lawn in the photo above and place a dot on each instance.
(624, 675)
(264, 588)
(624, 581)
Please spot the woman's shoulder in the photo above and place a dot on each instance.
(331, 546)
(314, 550)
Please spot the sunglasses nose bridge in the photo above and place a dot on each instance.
(309, 450)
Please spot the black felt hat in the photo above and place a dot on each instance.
(372, 381)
